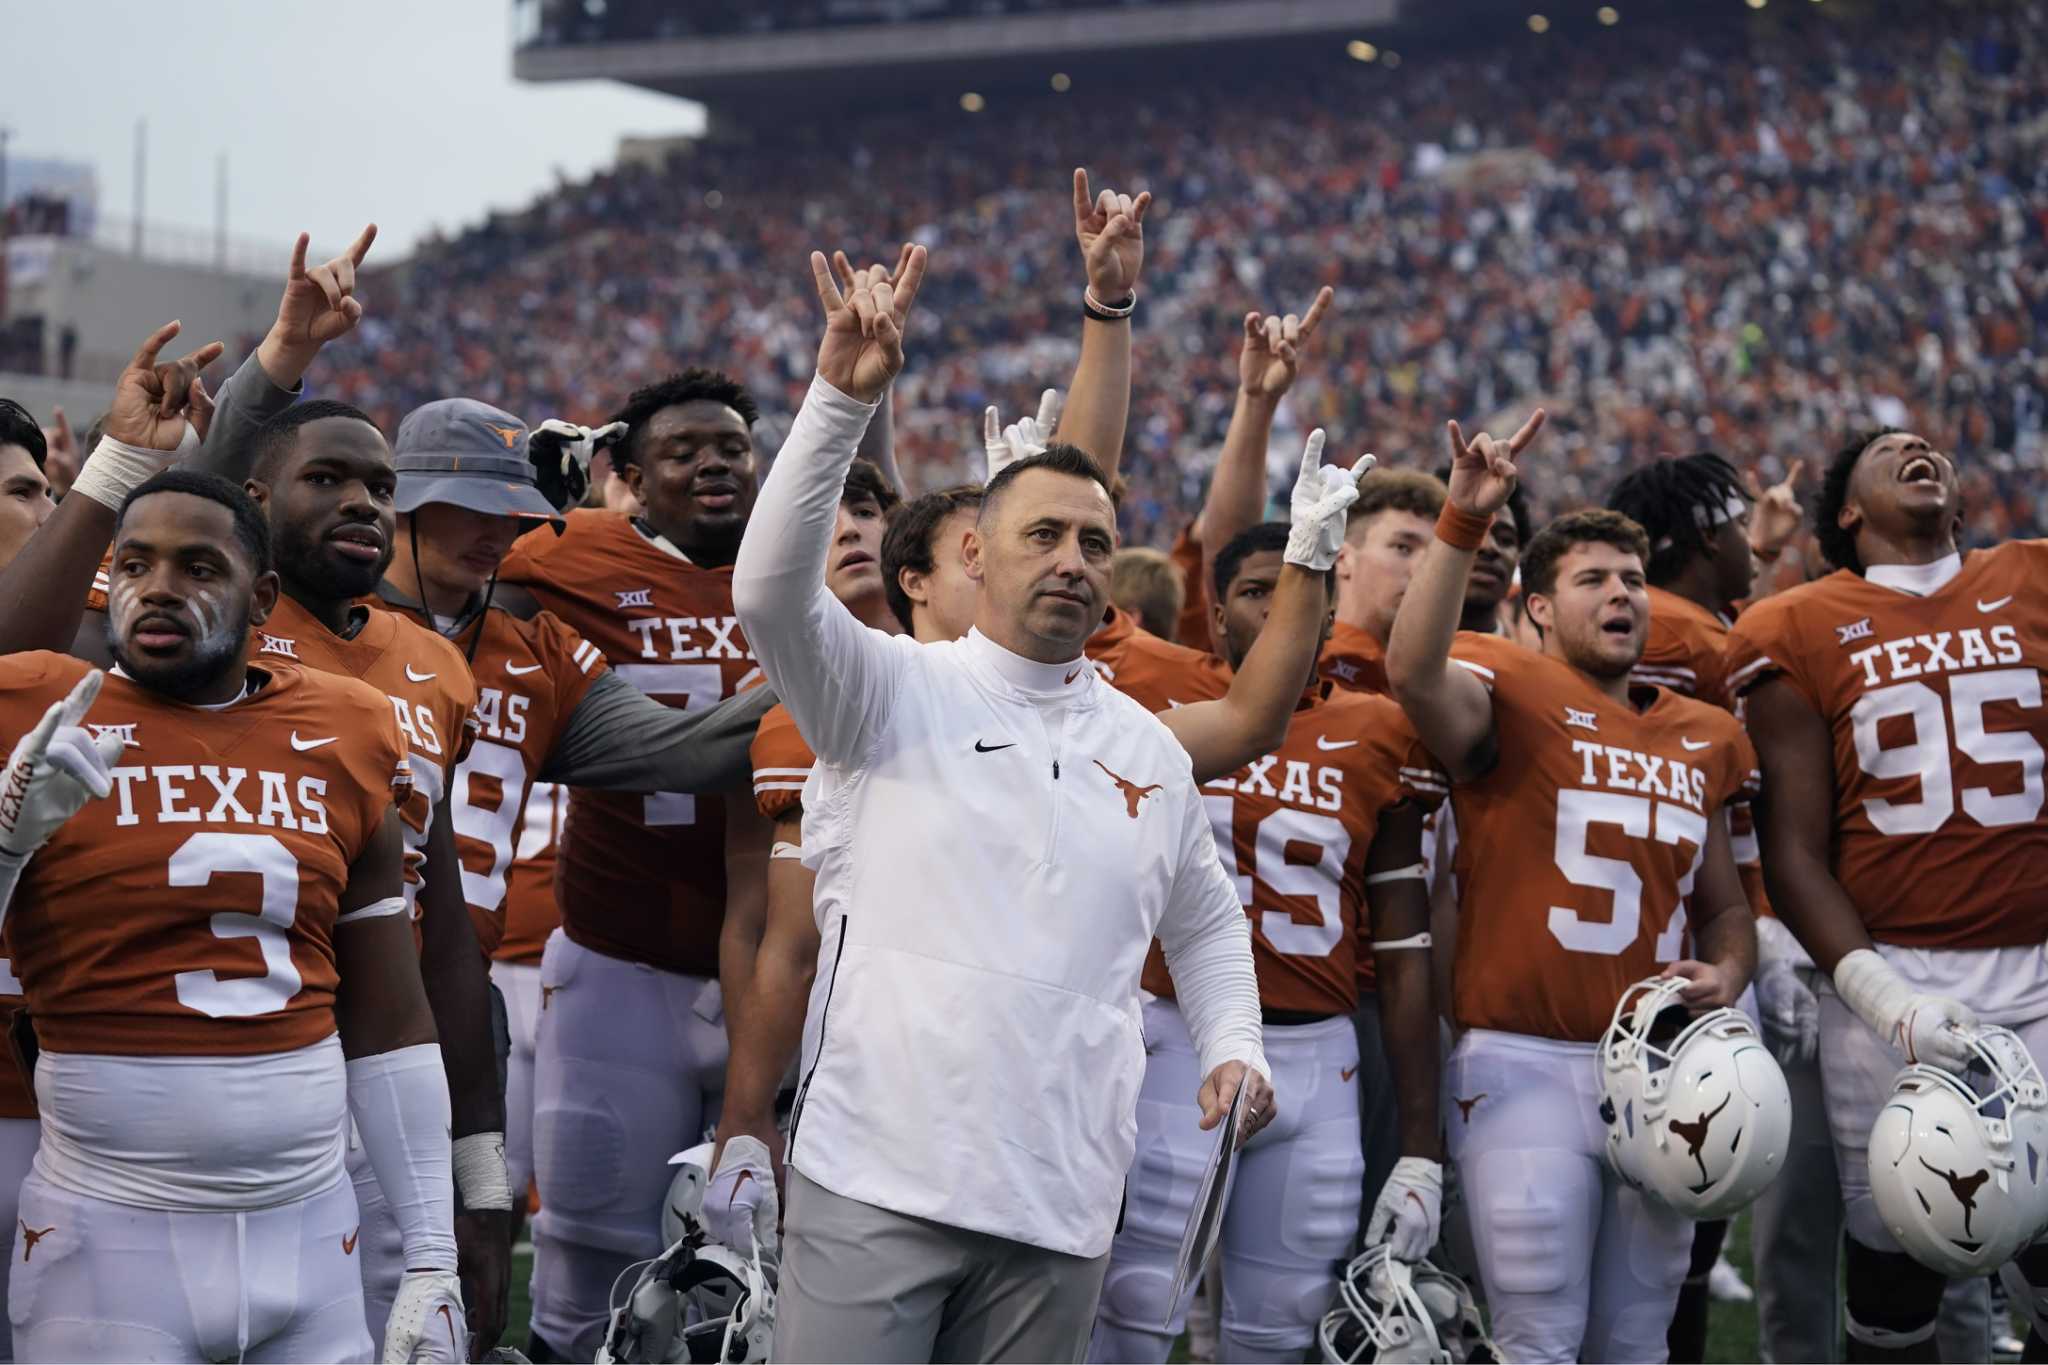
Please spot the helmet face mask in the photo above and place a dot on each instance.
(1390, 1311)
(1698, 1113)
(1959, 1164)
(698, 1300)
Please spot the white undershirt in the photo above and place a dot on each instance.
(1919, 580)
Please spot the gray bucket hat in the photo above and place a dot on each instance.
(460, 451)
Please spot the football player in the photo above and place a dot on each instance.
(221, 973)
(549, 708)
(1589, 810)
(1897, 702)
(630, 1057)
(1383, 542)
(1706, 538)
(1335, 808)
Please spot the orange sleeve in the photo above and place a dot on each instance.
(781, 763)
(1194, 628)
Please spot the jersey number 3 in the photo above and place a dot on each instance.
(195, 863)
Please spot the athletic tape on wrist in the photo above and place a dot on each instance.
(479, 1164)
(390, 905)
(1421, 940)
(784, 849)
(115, 469)
(1461, 529)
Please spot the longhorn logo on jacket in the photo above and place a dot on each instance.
(1132, 792)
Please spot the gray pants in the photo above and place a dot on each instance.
(861, 1283)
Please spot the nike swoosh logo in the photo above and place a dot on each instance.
(1695, 745)
(515, 670)
(348, 1243)
(1323, 743)
(981, 748)
(1075, 674)
(1347, 1072)
(302, 745)
(411, 676)
(1994, 606)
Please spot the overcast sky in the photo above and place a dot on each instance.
(399, 111)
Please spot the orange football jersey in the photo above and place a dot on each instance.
(426, 679)
(1935, 708)
(1293, 830)
(1352, 658)
(641, 878)
(781, 763)
(1196, 628)
(530, 674)
(1686, 652)
(1155, 673)
(1576, 852)
(191, 912)
(531, 910)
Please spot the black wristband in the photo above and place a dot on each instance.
(1119, 311)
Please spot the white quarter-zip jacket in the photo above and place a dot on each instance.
(996, 842)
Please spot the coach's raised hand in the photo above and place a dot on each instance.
(1483, 470)
(862, 349)
(319, 305)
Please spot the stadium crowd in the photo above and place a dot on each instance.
(1699, 233)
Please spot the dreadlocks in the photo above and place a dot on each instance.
(1679, 503)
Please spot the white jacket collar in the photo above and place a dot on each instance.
(1921, 580)
(1034, 679)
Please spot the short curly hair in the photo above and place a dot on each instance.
(1837, 545)
(692, 385)
(1594, 525)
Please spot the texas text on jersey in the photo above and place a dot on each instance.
(1934, 703)
(1293, 830)
(431, 694)
(1577, 849)
(641, 878)
(529, 675)
(190, 912)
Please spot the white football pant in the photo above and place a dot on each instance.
(519, 983)
(97, 1281)
(18, 1138)
(1577, 1266)
(628, 1070)
(1293, 1207)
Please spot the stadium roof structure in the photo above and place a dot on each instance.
(810, 54)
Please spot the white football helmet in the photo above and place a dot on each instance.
(1697, 1111)
(697, 1301)
(1957, 1162)
(1388, 1310)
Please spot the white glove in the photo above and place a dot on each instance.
(579, 443)
(1926, 1028)
(740, 1206)
(1321, 498)
(1027, 436)
(1787, 1005)
(1410, 1209)
(426, 1320)
(56, 768)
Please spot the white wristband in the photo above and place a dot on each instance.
(115, 469)
(480, 1178)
